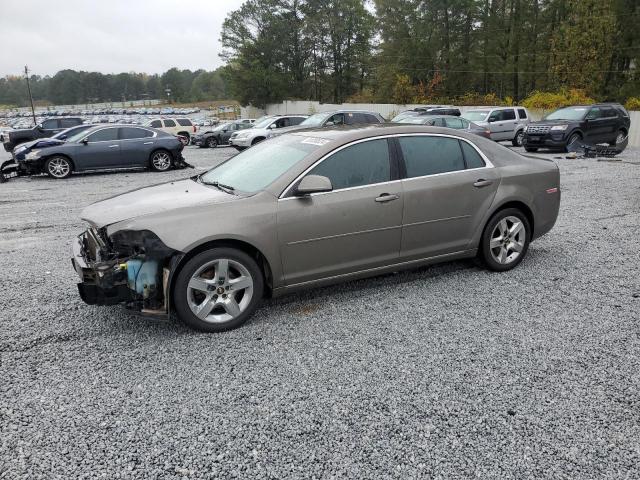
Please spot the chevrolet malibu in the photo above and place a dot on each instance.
(311, 208)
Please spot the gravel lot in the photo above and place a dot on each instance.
(443, 372)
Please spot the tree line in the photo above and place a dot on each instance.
(70, 87)
(406, 51)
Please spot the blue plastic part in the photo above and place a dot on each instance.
(141, 274)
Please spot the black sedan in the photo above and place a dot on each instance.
(105, 148)
(449, 121)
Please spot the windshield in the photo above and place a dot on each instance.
(404, 115)
(476, 115)
(571, 113)
(255, 168)
(416, 120)
(221, 126)
(263, 123)
(314, 120)
(70, 131)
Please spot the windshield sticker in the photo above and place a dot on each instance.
(315, 141)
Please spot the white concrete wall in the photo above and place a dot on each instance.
(389, 110)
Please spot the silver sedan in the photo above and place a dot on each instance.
(311, 208)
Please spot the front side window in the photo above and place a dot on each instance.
(169, 123)
(337, 119)
(364, 163)
(104, 135)
(156, 124)
(426, 155)
(253, 169)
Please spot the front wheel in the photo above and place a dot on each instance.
(218, 290)
(505, 240)
(211, 142)
(161, 161)
(574, 137)
(58, 167)
(621, 141)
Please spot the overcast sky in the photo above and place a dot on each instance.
(110, 36)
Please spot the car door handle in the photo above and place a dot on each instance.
(148, 143)
(386, 197)
(113, 146)
(482, 183)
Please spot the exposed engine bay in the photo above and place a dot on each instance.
(130, 267)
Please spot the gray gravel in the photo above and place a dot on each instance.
(443, 372)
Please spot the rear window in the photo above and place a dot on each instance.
(431, 155)
(184, 122)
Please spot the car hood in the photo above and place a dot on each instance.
(153, 199)
(41, 143)
(293, 128)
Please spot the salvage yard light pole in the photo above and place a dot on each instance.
(33, 110)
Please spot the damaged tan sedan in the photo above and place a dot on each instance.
(313, 208)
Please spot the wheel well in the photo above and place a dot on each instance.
(623, 129)
(45, 159)
(580, 134)
(256, 140)
(245, 247)
(520, 206)
(184, 134)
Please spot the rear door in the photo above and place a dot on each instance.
(170, 126)
(357, 226)
(610, 124)
(102, 150)
(448, 188)
(136, 144)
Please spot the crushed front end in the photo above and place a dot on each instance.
(129, 267)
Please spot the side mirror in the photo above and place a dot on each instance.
(84, 141)
(313, 184)
(329, 124)
(62, 137)
(273, 126)
(492, 119)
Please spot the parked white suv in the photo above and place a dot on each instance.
(263, 129)
(504, 123)
(180, 127)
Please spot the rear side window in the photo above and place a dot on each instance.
(69, 122)
(522, 113)
(104, 135)
(508, 114)
(169, 123)
(128, 133)
(364, 163)
(609, 112)
(355, 118)
(184, 122)
(431, 155)
(156, 124)
(471, 156)
(371, 118)
(453, 123)
(296, 120)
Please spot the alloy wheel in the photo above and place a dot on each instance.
(220, 290)
(212, 143)
(161, 161)
(508, 240)
(58, 167)
(519, 138)
(620, 138)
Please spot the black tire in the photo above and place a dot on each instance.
(184, 138)
(211, 142)
(485, 254)
(181, 289)
(530, 149)
(58, 167)
(517, 140)
(574, 137)
(161, 161)
(257, 140)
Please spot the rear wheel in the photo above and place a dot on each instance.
(505, 240)
(161, 161)
(218, 290)
(184, 138)
(517, 140)
(58, 167)
(211, 142)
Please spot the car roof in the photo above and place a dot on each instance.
(350, 133)
(342, 110)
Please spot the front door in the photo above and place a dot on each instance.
(355, 227)
(101, 150)
(448, 189)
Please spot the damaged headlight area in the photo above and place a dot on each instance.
(129, 267)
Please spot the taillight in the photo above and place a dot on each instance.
(194, 129)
